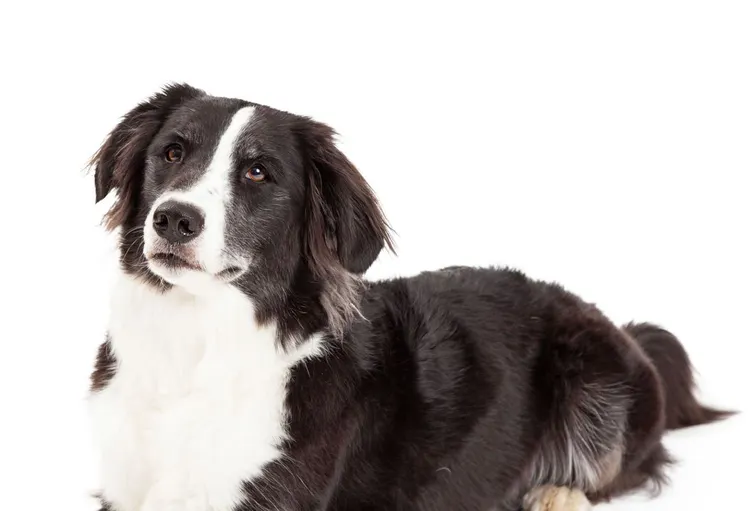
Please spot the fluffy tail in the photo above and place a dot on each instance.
(676, 372)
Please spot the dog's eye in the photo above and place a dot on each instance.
(173, 153)
(256, 174)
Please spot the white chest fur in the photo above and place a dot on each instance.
(197, 403)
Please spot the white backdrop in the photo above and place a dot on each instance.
(603, 145)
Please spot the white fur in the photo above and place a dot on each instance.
(197, 403)
(211, 194)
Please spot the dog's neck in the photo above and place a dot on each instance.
(172, 329)
(290, 301)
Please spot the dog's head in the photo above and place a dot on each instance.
(218, 191)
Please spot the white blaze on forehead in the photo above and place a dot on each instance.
(217, 176)
(212, 194)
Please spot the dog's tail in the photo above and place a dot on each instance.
(676, 373)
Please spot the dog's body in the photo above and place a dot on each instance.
(247, 367)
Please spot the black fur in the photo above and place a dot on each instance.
(459, 389)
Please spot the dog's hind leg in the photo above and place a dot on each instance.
(581, 453)
(600, 402)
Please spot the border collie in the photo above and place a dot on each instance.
(248, 366)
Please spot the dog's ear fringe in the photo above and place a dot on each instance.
(119, 161)
(345, 226)
(346, 219)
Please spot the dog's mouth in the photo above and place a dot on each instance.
(176, 262)
(173, 262)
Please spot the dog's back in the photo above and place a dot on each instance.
(509, 385)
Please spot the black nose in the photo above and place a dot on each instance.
(178, 222)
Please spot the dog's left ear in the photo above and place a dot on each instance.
(120, 160)
(344, 223)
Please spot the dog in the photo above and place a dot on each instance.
(248, 365)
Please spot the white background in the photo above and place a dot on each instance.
(600, 144)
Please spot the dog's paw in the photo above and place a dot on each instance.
(556, 498)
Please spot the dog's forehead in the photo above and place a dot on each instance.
(269, 131)
(203, 118)
(204, 121)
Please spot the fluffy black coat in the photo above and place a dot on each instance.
(460, 389)
(451, 391)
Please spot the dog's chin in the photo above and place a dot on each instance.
(190, 275)
(173, 262)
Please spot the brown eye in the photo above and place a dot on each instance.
(256, 174)
(173, 153)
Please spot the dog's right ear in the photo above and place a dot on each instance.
(119, 162)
